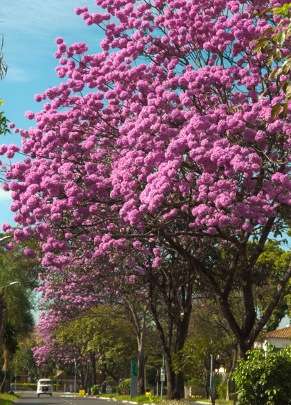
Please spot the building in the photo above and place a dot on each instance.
(279, 338)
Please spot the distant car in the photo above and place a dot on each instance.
(44, 387)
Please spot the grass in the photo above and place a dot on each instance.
(7, 399)
(141, 399)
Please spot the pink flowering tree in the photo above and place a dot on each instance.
(71, 293)
(165, 138)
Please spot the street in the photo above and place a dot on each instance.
(29, 398)
(58, 399)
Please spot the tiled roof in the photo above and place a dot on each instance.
(284, 333)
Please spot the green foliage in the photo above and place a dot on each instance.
(221, 390)
(284, 10)
(264, 379)
(3, 122)
(26, 386)
(124, 387)
(104, 333)
(15, 304)
(95, 390)
(23, 361)
(14, 266)
(3, 69)
(7, 399)
(207, 335)
(271, 46)
(140, 399)
(273, 262)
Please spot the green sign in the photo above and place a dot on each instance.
(133, 367)
(133, 377)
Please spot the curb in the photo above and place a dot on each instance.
(123, 401)
(115, 400)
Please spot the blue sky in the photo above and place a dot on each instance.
(29, 28)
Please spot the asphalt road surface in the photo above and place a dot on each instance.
(31, 399)
(59, 399)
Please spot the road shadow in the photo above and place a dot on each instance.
(30, 400)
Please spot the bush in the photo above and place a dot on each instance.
(264, 379)
(221, 390)
(124, 387)
(95, 390)
(24, 386)
(7, 399)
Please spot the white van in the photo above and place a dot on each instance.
(45, 387)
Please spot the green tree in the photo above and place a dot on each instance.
(273, 261)
(17, 278)
(208, 335)
(271, 45)
(102, 339)
(3, 70)
(23, 361)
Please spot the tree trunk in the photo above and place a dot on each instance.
(170, 377)
(179, 386)
(2, 317)
(138, 315)
(5, 382)
(82, 376)
(175, 381)
(243, 347)
(93, 369)
(233, 365)
(171, 304)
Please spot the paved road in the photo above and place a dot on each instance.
(58, 399)
(31, 399)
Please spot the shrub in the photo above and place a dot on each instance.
(264, 378)
(95, 390)
(124, 387)
(24, 386)
(221, 390)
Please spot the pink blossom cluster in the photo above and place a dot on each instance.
(48, 348)
(168, 130)
(71, 292)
